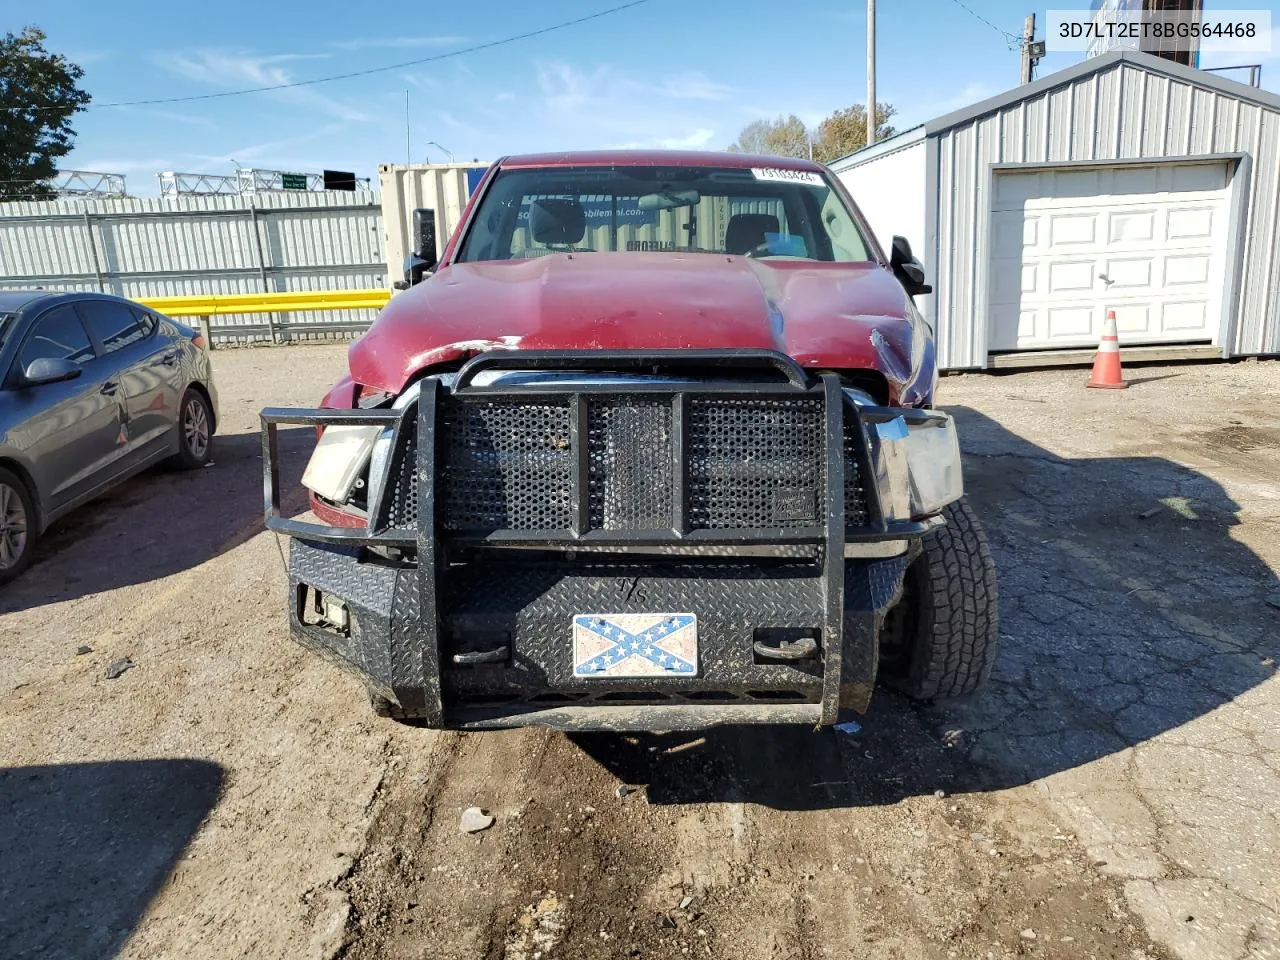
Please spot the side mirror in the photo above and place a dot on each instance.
(424, 257)
(415, 271)
(50, 370)
(908, 270)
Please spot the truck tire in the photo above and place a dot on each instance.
(940, 640)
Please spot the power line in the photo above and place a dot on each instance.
(487, 45)
(1009, 37)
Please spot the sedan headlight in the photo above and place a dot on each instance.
(916, 459)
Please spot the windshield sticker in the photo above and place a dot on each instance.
(600, 211)
(807, 177)
(634, 246)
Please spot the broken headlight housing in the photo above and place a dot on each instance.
(915, 457)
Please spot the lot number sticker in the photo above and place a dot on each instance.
(807, 177)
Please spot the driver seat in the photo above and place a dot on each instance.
(746, 231)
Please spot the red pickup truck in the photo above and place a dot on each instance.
(651, 446)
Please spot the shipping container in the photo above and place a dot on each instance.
(442, 187)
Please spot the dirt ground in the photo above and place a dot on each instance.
(1113, 793)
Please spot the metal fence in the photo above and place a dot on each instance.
(164, 247)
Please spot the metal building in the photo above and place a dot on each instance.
(1127, 183)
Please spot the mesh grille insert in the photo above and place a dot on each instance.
(504, 465)
(755, 463)
(507, 464)
(402, 480)
(629, 475)
(855, 493)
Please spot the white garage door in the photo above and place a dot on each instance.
(1068, 245)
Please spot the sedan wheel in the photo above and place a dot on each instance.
(16, 535)
(195, 427)
(195, 432)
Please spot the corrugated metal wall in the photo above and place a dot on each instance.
(188, 245)
(1121, 113)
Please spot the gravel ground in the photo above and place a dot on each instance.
(1112, 793)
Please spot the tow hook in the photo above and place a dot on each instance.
(805, 648)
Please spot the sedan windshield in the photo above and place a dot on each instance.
(764, 213)
(6, 321)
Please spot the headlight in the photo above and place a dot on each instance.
(917, 464)
(338, 460)
(933, 455)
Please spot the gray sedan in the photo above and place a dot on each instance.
(93, 389)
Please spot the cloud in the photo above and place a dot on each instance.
(605, 105)
(126, 165)
(401, 43)
(695, 86)
(697, 140)
(971, 93)
(504, 96)
(83, 58)
(267, 153)
(421, 81)
(808, 113)
(229, 69)
(451, 121)
(566, 88)
(170, 116)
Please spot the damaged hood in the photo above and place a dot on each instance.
(845, 316)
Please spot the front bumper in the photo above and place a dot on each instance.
(469, 628)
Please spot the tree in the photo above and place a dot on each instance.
(784, 137)
(752, 138)
(38, 97)
(845, 131)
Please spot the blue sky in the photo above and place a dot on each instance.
(669, 73)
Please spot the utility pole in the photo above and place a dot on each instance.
(408, 158)
(871, 72)
(1028, 38)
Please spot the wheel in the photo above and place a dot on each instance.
(17, 526)
(195, 431)
(940, 639)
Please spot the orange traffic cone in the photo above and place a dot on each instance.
(1106, 362)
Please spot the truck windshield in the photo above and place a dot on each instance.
(766, 213)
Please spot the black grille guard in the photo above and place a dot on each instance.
(845, 424)
(842, 422)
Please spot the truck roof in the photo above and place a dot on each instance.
(656, 158)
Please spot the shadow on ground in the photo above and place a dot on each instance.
(159, 523)
(1126, 610)
(86, 846)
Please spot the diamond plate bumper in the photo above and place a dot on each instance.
(501, 652)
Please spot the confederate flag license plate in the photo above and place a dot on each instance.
(612, 645)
